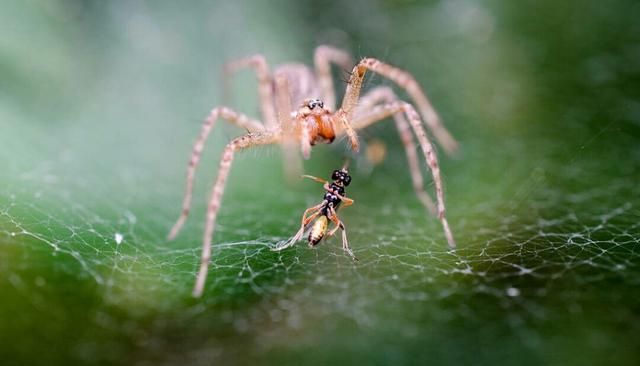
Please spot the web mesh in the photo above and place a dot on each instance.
(543, 199)
(121, 247)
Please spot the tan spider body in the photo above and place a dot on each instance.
(316, 121)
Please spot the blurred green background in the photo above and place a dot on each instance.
(99, 105)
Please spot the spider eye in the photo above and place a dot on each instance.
(315, 103)
(335, 175)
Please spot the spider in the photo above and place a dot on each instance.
(316, 120)
(324, 212)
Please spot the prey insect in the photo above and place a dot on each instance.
(315, 220)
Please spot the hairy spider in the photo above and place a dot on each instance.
(316, 120)
(324, 212)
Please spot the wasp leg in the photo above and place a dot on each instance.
(319, 180)
(305, 221)
(339, 225)
(346, 202)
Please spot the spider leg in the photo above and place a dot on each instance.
(406, 81)
(323, 57)
(384, 111)
(296, 128)
(239, 143)
(305, 140)
(283, 103)
(265, 85)
(236, 118)
(292, 161)
(302, 81)
(343, 118)
(345, 243)
(386, 94)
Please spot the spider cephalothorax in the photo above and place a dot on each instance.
(316, 120)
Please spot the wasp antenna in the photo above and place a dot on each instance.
(345, 165)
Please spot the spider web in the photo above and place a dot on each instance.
(541, 244)
(547, 229)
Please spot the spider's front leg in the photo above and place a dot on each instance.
(406, 81)
(340, 120)
(242, 142)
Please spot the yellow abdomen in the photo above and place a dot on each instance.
(318, 230)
